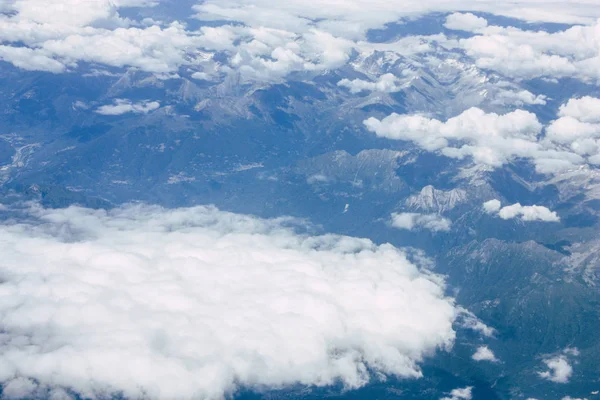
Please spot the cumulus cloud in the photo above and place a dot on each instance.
(386, 83)
(567, 130)
(465, 22)
(410, 221)
(525, 213)
(201, 76)
(483, 353)
(492, 206)
(460, 394)
(142, 301)
(70, 31)
(153, 49)
(559, 370)
(124, 106)
(488, 138)
(535, 54)
(271, 54)
(584, 109)
(578, 129)
(30, 60)
(493, 140)
(518, 98)
(71, 12)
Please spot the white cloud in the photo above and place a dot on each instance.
(142, 301)
(578, 128)
(530, 54)
(270, 54)
(71, 31)
(460, 394)
(123, 106)
(152, 49)
(35, 21)
(584, 109)
(492, 206)
(571, 351)
(492, 48)
(201, 76)
(519, 98)
(356, 16)
(525, 213)
(469, 320)
(70, 12)
(465, 22)
(386, 83)
(493, 140)
(490, 139)
(30, 60)
(410, 221)
(19, 388)
(559, 370)
(483, 353)
(566, 130)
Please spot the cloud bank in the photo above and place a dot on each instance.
(269, 39)
(491, 139)
(525, 54)
(193, 303)
(410, 221)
